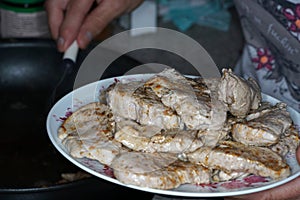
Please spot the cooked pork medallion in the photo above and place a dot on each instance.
(236, 157)
(130, 100)
(148, 139)
(119, 98)
(239, 94)
(288, 142)
(94, 114)
(265, 128)
(190, 98)
(93, 144)
(88, 132)
(157, 170)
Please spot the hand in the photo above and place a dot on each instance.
(288, 191)
(82, 20)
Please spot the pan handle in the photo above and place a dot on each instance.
(67, 64)
(72, 52)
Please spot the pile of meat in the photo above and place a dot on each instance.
(170, 130)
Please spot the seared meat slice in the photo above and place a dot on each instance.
(265, 128)
(190, 98)
(141, 162)
(288, 142)
(133, 101)
(236, 157)
(87, 116)
(152, 139)
(119, 99)
(157, 170)
(176, 93)
(93, 144)
(88, 132)
(239, 94)
(153, 112)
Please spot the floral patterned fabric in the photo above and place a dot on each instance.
(272, 51)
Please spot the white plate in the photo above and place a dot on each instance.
(89, 93)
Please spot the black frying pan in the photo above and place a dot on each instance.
(30, 165)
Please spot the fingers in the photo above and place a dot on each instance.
(94, 23)
(101, 16)
(55, 10)
(75, 14)
(73, 19)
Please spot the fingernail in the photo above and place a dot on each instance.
(85, 39)
(60, 42)
(89, 36)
